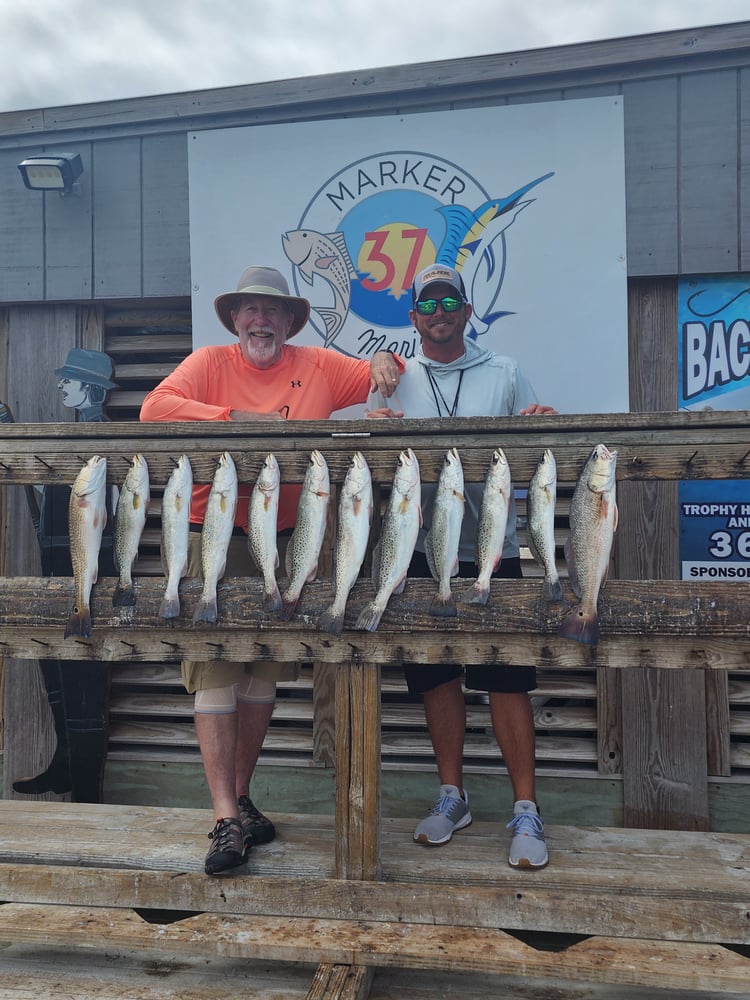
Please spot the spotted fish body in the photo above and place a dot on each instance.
(442, 540)
(218, 523)
(352, 535)
(540, 504)
(175, 534)
(593, 522)
(493, 520)
(303, 551)
(87, 516)
(401, 524)
(262, 528)
(130, 520)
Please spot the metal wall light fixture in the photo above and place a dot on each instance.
(52, 172)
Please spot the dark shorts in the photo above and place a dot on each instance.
(478, 677)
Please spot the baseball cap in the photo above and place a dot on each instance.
(433, 274)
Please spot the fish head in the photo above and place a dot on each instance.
(269, 476)
(137, 478)
(358, 477)
(406, 479)
(452, 474)
(546, 471)
(183, 473)
(599, 472)
(92, 476)
(299, 245)
(226, 471)
(317, 478)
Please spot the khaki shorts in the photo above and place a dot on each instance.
(200, 675)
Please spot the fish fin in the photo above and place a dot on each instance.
(443, 607)
(580, 626)
(331, 621)
(399, 588)
(206, 610)
(369, 617)
(79, 623)
(552, 590)
(169, 607)
(272, 599)
(288, 606)
(477, 593)
(615, 519)
(124, 596)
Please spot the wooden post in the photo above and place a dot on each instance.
(358, 771)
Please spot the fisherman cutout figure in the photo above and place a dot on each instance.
(77, 691)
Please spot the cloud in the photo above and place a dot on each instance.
(72, 52)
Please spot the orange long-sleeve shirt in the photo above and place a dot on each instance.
(311, 382)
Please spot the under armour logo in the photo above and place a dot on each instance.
(296, 383)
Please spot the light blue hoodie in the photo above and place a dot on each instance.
(478, 384)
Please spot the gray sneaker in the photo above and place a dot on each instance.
(450, 813)
(528, 849)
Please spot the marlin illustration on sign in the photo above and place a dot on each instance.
(468, 246)
(326, 255)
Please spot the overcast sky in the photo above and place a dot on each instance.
(56, 52)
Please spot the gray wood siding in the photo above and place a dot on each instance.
(687, 149)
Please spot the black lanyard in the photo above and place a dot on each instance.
(436, 391)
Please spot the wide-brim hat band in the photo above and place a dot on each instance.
(267, 281)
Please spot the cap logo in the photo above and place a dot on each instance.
(436, 274)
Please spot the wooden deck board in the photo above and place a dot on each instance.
(676, 965)
(677, 886)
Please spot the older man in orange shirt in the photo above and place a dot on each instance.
(263, 377)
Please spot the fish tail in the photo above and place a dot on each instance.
(272, 598)
(124, 595)
(580, 625)
(443, 607)
(289, 606)
(477, 593)
(170, 606)
(79, 622)
(206, 610)
(552, 590)
(331, 621)
(369, 617)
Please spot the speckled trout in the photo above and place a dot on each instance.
(303, 551)
(218, 523)
(262, 526)
(593, 522)
(175, 533)
(441, 541)
(130, 520)
(392, 555)
(493, 520)
(352, 535)
(540, 510)
(87, 515)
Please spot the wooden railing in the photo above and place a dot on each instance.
(644, 623)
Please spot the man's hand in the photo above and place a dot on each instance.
(241, 415)
(384, 413)
(536, 409)
(384, 373)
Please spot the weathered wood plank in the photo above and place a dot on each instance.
(673, 446)
(691, 625)
(677, 965)
(39, 972)
(646, 884)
